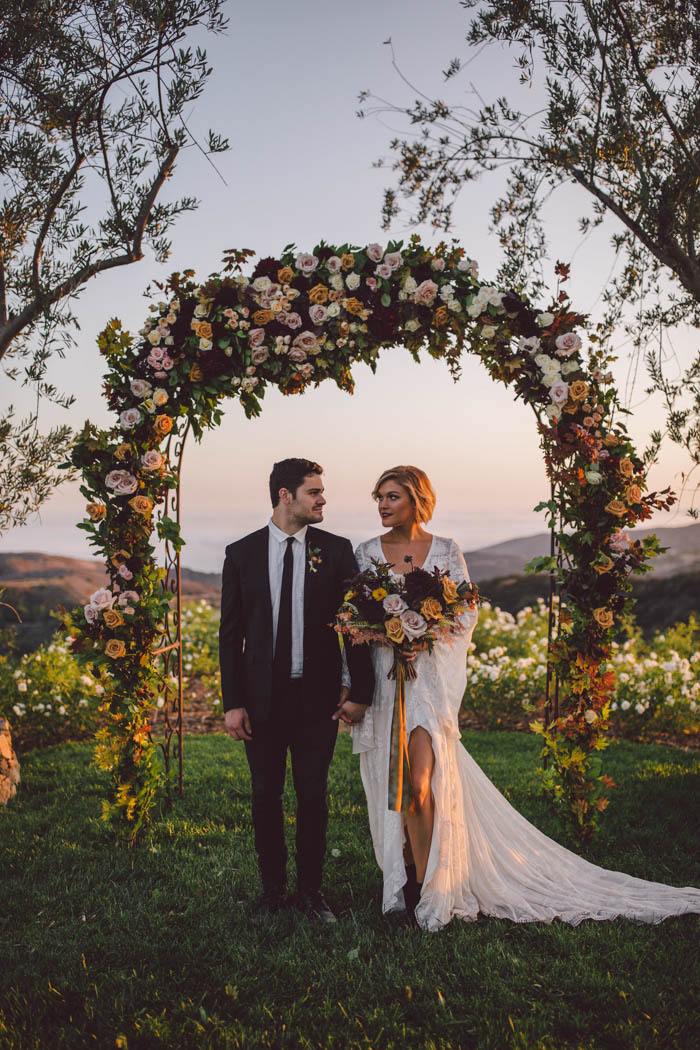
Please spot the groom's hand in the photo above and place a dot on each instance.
(238, 724)
(348, 711)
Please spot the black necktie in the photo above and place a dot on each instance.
(283, 645)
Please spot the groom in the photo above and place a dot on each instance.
(281, 674)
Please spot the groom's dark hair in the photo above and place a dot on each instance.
(290, 474)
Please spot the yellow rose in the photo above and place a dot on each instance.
(578, 390)
(96, 511)
(262, 317)
(449, 590)
(285, 275)
(142, 505)
(347, 261)
(626, 468)
(115, 648)
(122, 451)
(440, 317)
(196, 375)
(378, 593)
(113, 618)
(318, 294)
(394, 630)
(431, 609)
(634, 494)
(353, 305)
(616, 507)
(162, 425)
(604, 565)
(603, 617)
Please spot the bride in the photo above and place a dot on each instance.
(464, 849)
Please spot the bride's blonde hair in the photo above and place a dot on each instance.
(417, 485)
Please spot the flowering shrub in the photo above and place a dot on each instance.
(47, 697)
(295, 321)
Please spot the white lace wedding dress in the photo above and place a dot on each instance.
(485, 857)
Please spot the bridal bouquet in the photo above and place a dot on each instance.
(409, 613)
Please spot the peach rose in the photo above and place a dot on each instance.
(610, 440)
(616, 507)
(115, 649)
(113, 618)
(605, 564)
(285, 275)
(96, 511)
(449, 590)
(204, 330)
(347, 261)
(353, 305)
(318, 294)
(626, 467)
(431, 609)
(162, 425)
(578, 390)
(262, 317)
(394, 630)
(603, 617)
(634, 494)
(425, 293)
(142, 505)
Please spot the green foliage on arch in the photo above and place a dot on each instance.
(296, 321)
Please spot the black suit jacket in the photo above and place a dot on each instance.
(245, 631)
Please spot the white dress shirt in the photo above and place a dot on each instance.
(277, 545)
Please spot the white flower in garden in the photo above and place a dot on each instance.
(353, 281)
(593, 477)
(567, 344)
(530, 345)
(21, 687)
(375, 252)
(394, 604)
(544, 320)
(140, 387)
(61, 710)
(259, 355)
(446, 292)
(129, 418)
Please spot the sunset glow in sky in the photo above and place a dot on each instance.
(284, 90)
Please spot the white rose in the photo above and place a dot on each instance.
(353, 281)
(153, 338)
(333, 309)
(102, 599)
(249, 384)
(129, 418)
(568, 367)
(559, 392)
(394, 260)
(394, 604)
(140, 387)
(261, 284)
(375, 252)
(447, 292)
(590, 715)
(529, 345)
(468, 266)
(553, 413)
(410, 285)
(625, 705)
(306, 263)
(414, 624)
(593, 477)
(205, 344)
(201, 310)
(92, 614)
(160, 396)
(336, 282)
(544, 320)
(333, 264)
(488, 331)
(454, 305)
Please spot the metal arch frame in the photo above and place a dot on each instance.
(171, 635)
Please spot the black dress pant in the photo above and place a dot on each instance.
(311, 742)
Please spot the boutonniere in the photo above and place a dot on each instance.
(313, 558)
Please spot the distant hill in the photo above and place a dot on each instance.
(509, 558)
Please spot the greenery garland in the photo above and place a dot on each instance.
(296, 321)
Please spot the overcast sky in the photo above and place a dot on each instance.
(284, 90)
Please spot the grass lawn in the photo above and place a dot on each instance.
(156, 947)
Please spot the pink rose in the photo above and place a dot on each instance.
(414, 624)
(375, 252)
(260, 354)
(156, 354)
(333, 264)
(383, 271)
(306, 263)
(102, 599)
(91, 613)
(128, 598)
(160, 375)
(425, 293)
(126, 574)
(256, 336)
(297, 354)
(129, 418)
(121, 482)
(306, 341)
(371, 282)
(559, 392)
(140, 388)
(567, 344)
(394, 260)
(394, 604)
(167, 362)
(152, 460)
(318, 314)
(292, 321)
(619, 543)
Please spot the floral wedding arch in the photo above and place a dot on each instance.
(297, 320)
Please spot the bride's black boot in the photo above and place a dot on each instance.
(411, 891)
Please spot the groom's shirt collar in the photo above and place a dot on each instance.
(281, 537)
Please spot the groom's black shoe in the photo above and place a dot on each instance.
(315, 905)
(271, 900)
